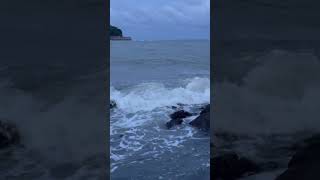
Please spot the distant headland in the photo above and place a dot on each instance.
(116, 34)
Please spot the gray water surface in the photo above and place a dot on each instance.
(147, 78)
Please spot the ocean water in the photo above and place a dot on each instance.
(278, 96)
(147, 78)
(58, 109)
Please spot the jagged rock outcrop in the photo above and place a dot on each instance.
(230, 167)
(9, 135)
(203, 120)
(113, 104)
(305, 163)
(177, 118)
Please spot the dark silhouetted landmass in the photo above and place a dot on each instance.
(114, 31)
(116, 34)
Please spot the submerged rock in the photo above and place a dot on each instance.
(180, 114)
(64, 170)
(9, 135)
(173, 122)
(230, 166)
(301, 144)
(177, 118)
(113, 104)
(203, 120)
(174, 107)
(305, 163)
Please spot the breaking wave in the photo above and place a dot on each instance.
(279, 96)
(149, 96)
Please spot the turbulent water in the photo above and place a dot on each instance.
(278, 96)
(147, 79)
(58, 110)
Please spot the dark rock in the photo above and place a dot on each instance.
(301, 144)
(180, 104)
(64, 170)
(9, 135)
(177, 118)
(305, 163)
(269, 166)
(180, 114)
(203, 120)
(229, 137)
(230, 167)
(113, 104)
(173, 122)
(205, 109)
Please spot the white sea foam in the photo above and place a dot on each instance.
(55, 138)
(138, 123)
(149, 96)
(279, 96)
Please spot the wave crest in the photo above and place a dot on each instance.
(148, 96)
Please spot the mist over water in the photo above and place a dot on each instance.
(275, 96)
(52, 69)
(267, 102)
(66, 118)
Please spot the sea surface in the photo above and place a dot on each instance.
(53, 69)
(266, 79)
(266, 100)
(147, 79)
(58, 108)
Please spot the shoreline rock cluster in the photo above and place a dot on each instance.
(201, 122)
(303, 164)
(9, 135)
(113, 104)
(231, 166)
(177, 118)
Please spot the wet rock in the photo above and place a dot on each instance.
(180, 104)
(174, 107)
(173, 122)
(205, 109)
(269, 166)
(305, 163)
(203, 120)
(230, 167)
(225, 136)
(113, 104)
(9, 135)
(180, 114)
(315, 139)
(177, 118)
(64, 170)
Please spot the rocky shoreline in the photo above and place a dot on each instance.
(202, 122)
(303, 163)
(9, 135)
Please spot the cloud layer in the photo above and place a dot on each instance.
(162, 19)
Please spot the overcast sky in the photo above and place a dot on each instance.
(162, 19)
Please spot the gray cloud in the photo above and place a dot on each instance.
(162, 19)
